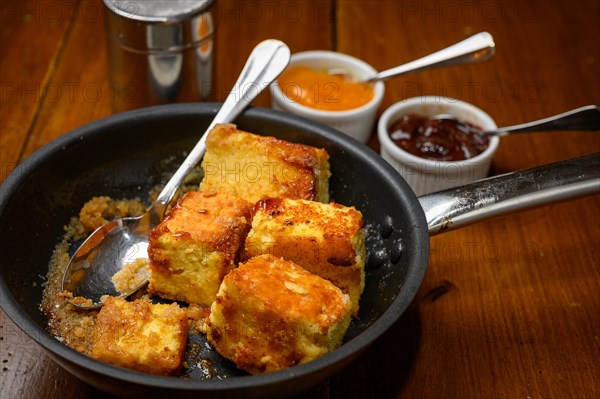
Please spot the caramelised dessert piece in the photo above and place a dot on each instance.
(196, 245)
(325, 239)
(141, 336)
(271, 314)
(253, 166)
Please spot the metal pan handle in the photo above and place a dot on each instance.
(457, 207)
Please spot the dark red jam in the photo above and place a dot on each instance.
(440, 140)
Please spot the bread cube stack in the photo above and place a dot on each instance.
(262, 202)
(325, 239)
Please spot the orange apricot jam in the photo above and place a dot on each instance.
(320, 90)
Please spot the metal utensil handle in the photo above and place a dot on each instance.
(457, 207)
(268, 59)
(477, 48)
(583, 118)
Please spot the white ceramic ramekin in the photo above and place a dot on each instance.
(358, 122)
(425, 175)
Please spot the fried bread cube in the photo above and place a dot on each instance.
(271, 314)
(196, 245)
(141, 336)
(252, 166)
(325, 239)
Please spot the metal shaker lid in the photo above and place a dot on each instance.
(158, 25)
(160, 11)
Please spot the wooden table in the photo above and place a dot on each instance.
(508, 309)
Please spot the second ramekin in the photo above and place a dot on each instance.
(425, 175)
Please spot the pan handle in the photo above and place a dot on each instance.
(457, 207)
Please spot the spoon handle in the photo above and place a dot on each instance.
(477, 48)
(583, 118)
(268, 59)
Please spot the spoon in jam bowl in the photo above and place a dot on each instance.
(477, 48)
(582, 118)
(121, 245)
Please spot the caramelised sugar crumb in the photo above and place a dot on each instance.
(100, 210)
(68, 323)
(132, 275)
(197, 317)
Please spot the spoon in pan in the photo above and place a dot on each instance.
(477, 48)
(124, 242)
(582, 118)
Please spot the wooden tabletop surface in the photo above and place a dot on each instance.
(508, 309)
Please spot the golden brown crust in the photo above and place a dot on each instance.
(325, 239)
(316, 297)
(333, 225)
(253, 166)
(196, 245)
(217, 220)
(271, 314)
(141, 336)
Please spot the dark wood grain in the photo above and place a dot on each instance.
(508, 308)
(32, 36)
(83, 90)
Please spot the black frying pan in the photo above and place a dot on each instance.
(123, 156)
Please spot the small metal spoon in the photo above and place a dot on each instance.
(583, 118)
(125, 241)
(477, 48)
